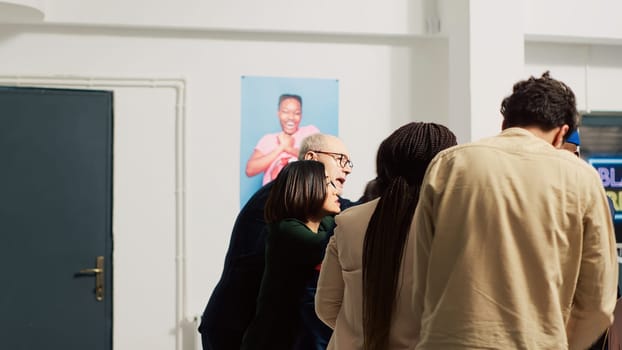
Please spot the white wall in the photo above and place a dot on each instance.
(592, 71)
(144, 220)
(574, 21)
(558, 19)
(399, 17)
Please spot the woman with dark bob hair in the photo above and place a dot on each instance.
(298, 212)
(365, 288)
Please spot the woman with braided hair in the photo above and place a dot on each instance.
(365, 287)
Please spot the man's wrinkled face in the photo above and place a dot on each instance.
(332, 164)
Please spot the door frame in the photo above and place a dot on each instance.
(178, 85)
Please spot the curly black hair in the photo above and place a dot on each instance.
(543, 102)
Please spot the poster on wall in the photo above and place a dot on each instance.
(276, 114)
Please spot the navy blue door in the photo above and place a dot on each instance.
(55, 219)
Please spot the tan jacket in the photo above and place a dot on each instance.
(339, 301)
(515, 248)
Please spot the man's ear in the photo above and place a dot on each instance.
(310, 155)
(558, 140)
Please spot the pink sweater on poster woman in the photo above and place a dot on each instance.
(270, 141)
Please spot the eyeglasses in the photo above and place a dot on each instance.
(341, 158)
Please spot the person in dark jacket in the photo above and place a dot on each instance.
(299, 215)
(232, 304)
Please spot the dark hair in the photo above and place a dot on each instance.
(371, 192)
(284, 97)
(298, 192)
(543, 102)
(401, 162)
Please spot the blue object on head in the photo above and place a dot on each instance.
(574, 138)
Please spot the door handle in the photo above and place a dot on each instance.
(87, 271)
(99, 277)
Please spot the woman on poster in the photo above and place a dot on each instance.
(275, 150)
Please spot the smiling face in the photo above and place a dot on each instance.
(290, 113)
